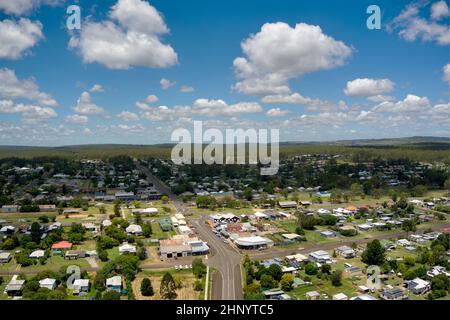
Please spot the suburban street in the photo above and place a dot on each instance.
(275, 252)
(227, 280)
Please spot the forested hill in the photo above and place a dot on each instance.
(428, 149)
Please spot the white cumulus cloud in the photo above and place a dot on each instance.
(13, 88)
(130, 37)
(128, 116)
(368, 87)
(277, 112)
(17, 37)
(21, 7)
(86, 107)
(279, 53)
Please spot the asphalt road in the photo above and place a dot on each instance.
(275, 252)
(227, 280)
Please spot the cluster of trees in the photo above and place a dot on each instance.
(126, 265)
(259, 278)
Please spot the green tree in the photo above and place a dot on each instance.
(287, 280)
(167, 288)
(336, 278)
(311, 268)
(111, 295)
(374, 253)
(165, 199)
(147, 288)
(275, 271)
(198, 268)
(267, 282)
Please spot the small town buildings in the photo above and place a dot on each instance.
(287, 204)
(71, 211)
(5, 257)
(419, 286)
(106, 223)
(134, 229)
(90, 227)
(320, 256)
(48, 283)
(404, 242)
(146, 211)
(54, 226)
(185, 230)
(114, 283)
(291, 237)
(312, 295)
(364, 297)
(75, 254)
(322, 211)
(390, 293)
(365, 226)
(165, 224)
(80, 285)
(174, 247)
(7, 230)
(36, 254)
(353, 271)
(14, 287)
(340, 296)
(125, 196)
(253, 242)
(328, 234)
(437, 270)
(127, 248)
(58, 247)
(47, 208)
(345, 252)
(198, 247)
(10, 209)
(224, 218)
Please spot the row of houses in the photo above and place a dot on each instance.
(78, 286)
(182, 245)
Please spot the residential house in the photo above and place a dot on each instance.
(47, 208)
(36, 254)
(80, 285)
(396, 293)
(10, 209)
(114, 283)
(328, 234)
(75, 254)
(48, 283)
(320, 256)
(312, 295)
(419, 286)
(58, 247)
(340, 296)
(14, 287)
(287, 204)
(5, 257)
(127, 248)
(437, 270)
(253, 242)
(134, 229)
(345, 252)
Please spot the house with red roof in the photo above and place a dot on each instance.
(57, 247)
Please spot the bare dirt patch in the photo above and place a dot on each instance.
(186, 292)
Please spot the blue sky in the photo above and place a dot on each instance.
(309, 68)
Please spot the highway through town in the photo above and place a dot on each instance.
(224, 259)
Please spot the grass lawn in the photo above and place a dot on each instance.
(113, 253)
(6, 280)
(54, 263)
(7, 266)
(185, 277)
